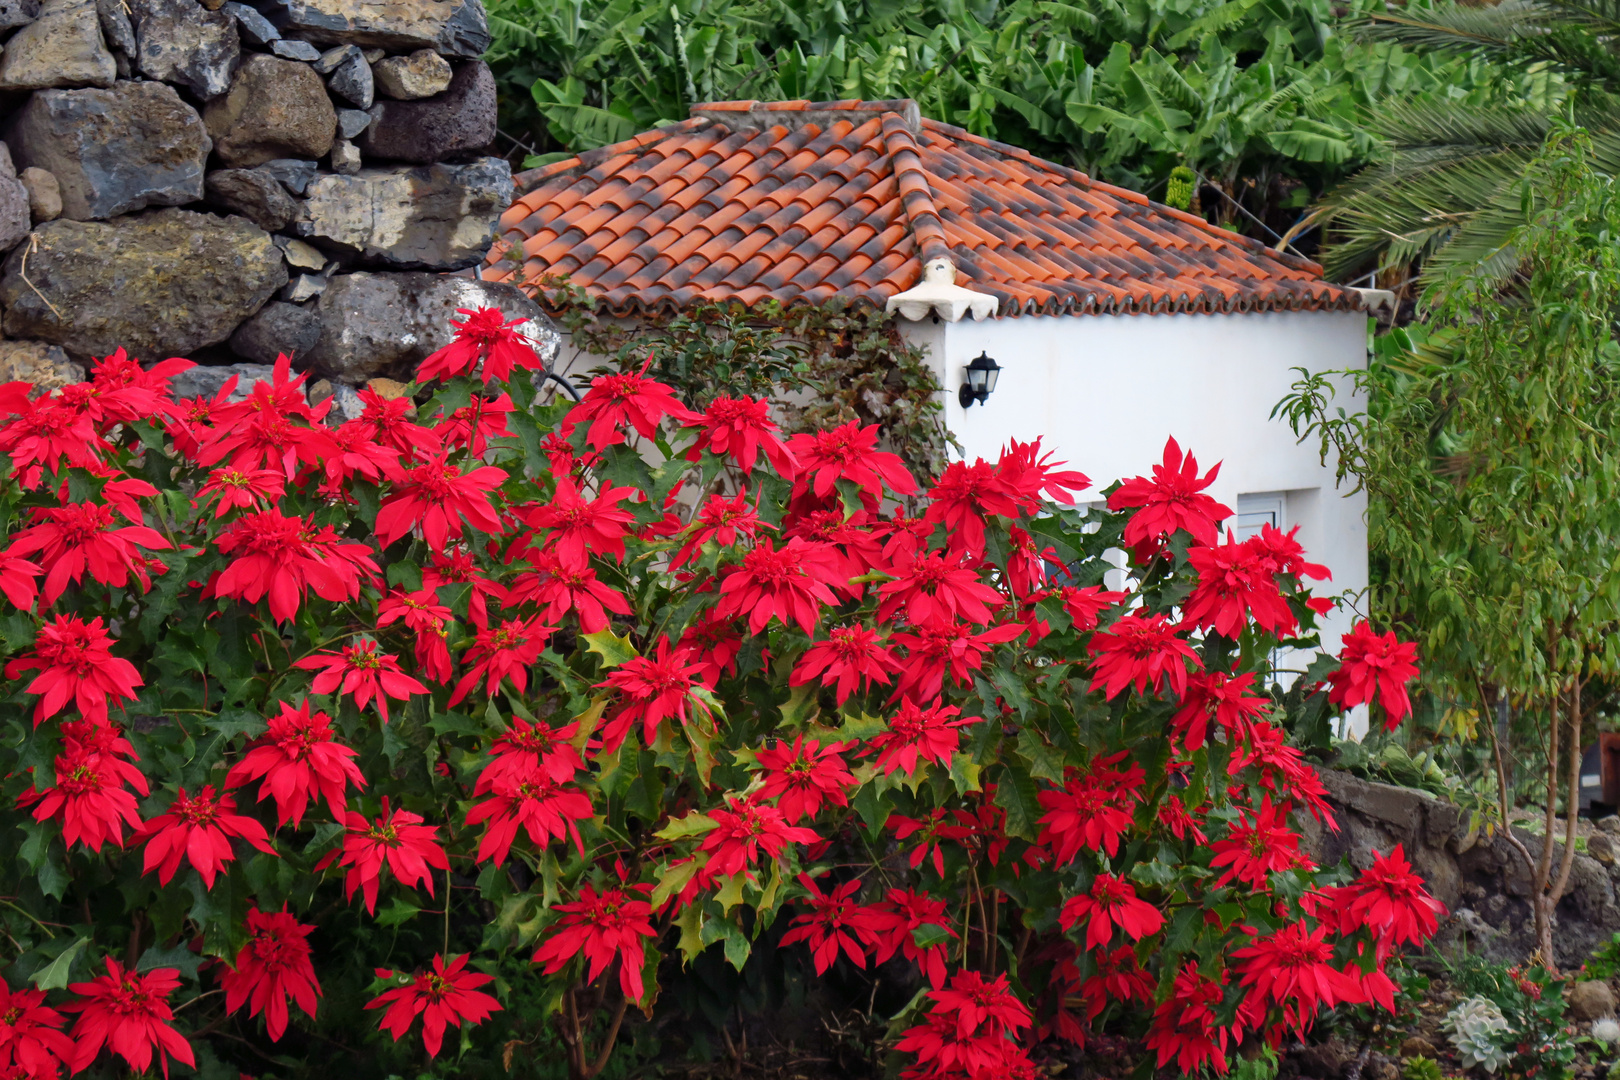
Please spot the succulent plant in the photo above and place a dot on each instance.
(1421, 1068)
(1477, 1028)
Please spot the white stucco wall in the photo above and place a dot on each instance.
(1104, 391)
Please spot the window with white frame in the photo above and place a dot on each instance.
(1256, 511)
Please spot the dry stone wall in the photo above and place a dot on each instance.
(225, 181)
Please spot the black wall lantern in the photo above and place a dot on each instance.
(980, 382)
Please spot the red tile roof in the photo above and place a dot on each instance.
(803, 201)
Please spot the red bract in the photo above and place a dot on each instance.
(1111, 903)
(628, 397)
(1375, 666)
(456, 567)
(918, 734)
(483, 420)
(894, 924)
(1283, 768)
(360, 671)
(198, 829)
(90, 795)
(384, 421)
(1390, 900)
(76, 666)
(713, 644)
(43, 434)
(29, 1037)
(789, 584)
(558, 589)
(528, 751)
(1225, 698)
(126, 392)
(541, 807)
(1027, 474)
(1236, 582)
(1185, 1030)
(17, 581)
(1173, 500)
(1258, 845)
(957, 649)
(602, 927)
(580, 529)
(964, 496)
(1290, 969)
(1119, 977)
(447, 995)
(929, 830)
(426, 617)
(745, 829)
(398, 839)
(803, 776)
(505, 652)
(241, 489)
(1092, 810)
(1174, 816)
(835, 923)
(971, 1032)
(1140, 650)
(849, 657)
(484, 335)
(848, 453)
(1284, 553)
(283, 557)
(129, 1014)
(272, 970)
(654, 689)
(1085, 605)
(435, 496)
(722, 521)
(740, 428)
(935, 592)
(74, 539)
(299, 759)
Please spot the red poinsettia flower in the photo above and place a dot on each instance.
(602, 927)
(483, 420)
(426, 617)
(964, 496)
(803, 776)
(283, 557)
(935, 592)
(441, 500)
(198, 829)
(849, 657)
(1227, 699)
(789, 583)
(385, 421)
(918, 734)
(241, 489)
(746, 828)
(1144, 650)
(541, 807)
(76, 667)
(1285, 554)
(484, 335)
(1236, 582)
(581, 528)
(894, 924)
(971, 1030)
(1111, 903)
(713, 644)
(1086, 605)
(85, 537)
(397, 839)
(275, 427)
(653, 689)
(31, 1041)
(506, 652)
(447, 995)
(1174, 816)
(1093, 809)
(359, 670)
(740, 428)
(129, 1014)
(42, 433)
(956, 649)
(1173, 500)
(1375, 666)
(559, 588)
(1259, 844)
(1283, 768)
(1391, 900)
(298, 759)
(848, 452)
(17, 581)
(272, 971)
(1118, 977)
(91, 777)
(1028, 475)
(929, 831)
(721, 520)
(528, 751)
(1185, 1029)
(1291, 969)
(627, 397)
(834, 924)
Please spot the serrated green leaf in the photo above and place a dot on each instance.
(1016, 794)
(613, 649)
(693, 824)
(398, 910)
(1045, 763)
(177, 956)
(691, 924)
(731, 893)
(800, 707)
(54, 975)
(672, 881)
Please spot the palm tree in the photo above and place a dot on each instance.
(1449, 190)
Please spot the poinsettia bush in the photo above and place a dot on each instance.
(471, 726)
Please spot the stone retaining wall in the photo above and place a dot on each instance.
(225, 181)
(1480, 878)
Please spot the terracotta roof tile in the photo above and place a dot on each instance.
(801, 202)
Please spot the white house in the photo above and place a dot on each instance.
(1116, 321)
